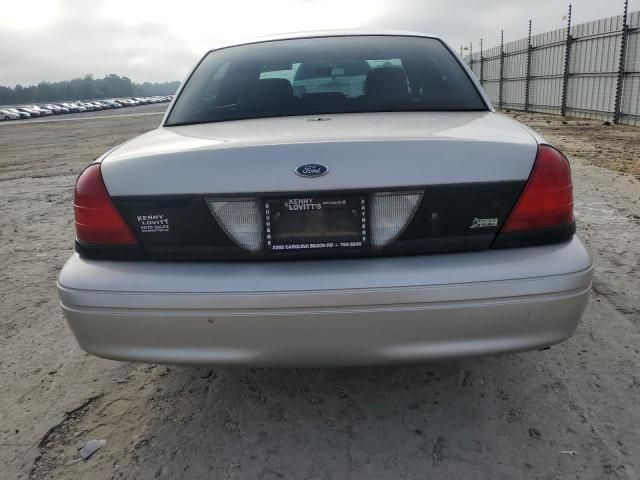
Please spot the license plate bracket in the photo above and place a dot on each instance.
(313, 223)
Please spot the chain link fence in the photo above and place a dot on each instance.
(588, 70)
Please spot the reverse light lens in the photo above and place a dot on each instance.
(241, 219)
(547, 199)
(96, 218)
(390, 213)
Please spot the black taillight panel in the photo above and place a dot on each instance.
(461, 217)
(176, 227)
(450, 218)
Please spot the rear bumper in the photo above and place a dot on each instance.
(337, 312)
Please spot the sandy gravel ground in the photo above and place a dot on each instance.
(572, 412)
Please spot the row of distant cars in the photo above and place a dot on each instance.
(46, 109)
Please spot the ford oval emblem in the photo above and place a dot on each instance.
(312, 170)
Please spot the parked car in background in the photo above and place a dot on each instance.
(33, 112)
(88, 106)
(91, 106)
(113, 104)
(76, 107)
(22, 114)
(7, 115)
(390, 216)
(55, 108)
(43, 111)
(63, 109)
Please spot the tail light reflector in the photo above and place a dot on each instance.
(241, 219)
(547, 198)
(96, 218)
(390, 213)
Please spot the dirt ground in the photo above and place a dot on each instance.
(571, 412)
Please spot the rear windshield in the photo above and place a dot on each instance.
(325, 75)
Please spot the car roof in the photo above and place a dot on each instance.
(327, 33)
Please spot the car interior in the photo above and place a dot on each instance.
(243, 89)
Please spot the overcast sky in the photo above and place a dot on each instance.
(158, 40)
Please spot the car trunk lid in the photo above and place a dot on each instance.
(362, 151)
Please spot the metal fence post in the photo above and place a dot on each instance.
(501, 69)
(565, 74)
(481, 66)
(528, 79)
(621, 65)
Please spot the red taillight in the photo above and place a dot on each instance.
(547, 199)
(96, 218)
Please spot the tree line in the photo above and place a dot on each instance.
(87, 88)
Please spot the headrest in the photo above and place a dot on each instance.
(271, 90)
(386, 84)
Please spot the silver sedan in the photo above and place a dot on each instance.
(326, 199)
